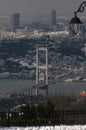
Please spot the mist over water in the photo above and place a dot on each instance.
(62, 127)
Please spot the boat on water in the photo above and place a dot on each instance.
(82, 94)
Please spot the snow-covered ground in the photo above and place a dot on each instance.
(73, 127)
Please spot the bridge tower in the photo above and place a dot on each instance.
(41, 76)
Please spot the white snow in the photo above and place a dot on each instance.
(62, 127)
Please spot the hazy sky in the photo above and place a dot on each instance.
(39, 7)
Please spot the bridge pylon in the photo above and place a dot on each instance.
(41, 69)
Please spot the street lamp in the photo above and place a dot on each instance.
(75, 21)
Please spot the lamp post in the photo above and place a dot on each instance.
(75, 21)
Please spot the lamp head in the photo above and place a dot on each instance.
(75, 24)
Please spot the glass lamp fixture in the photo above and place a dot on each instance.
(75, 22)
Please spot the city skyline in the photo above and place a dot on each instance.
(30, 8)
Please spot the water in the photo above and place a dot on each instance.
(75, 127)
(7, 85)
(68, 88)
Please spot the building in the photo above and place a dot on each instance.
(53, 17)
(15, 22)
(54, 26)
